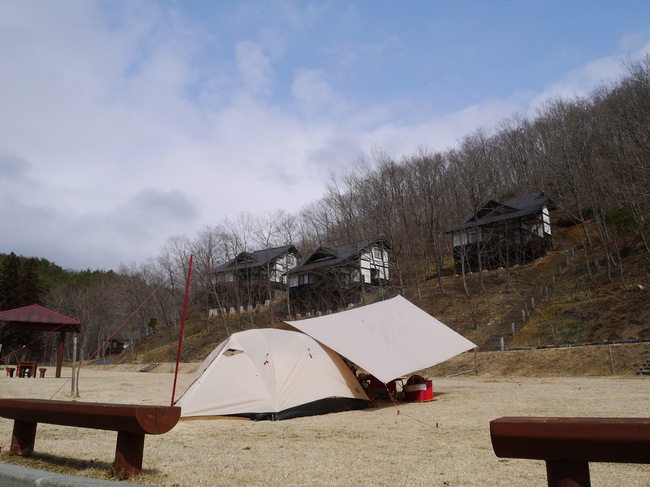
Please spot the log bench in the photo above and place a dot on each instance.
(569, 444)
(132, 423)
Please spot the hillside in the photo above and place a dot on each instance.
(552, 301)
(560, 302)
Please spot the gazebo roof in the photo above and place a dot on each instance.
(35, 317)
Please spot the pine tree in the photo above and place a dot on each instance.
(10, 283)
(31, 289)
(20, 286)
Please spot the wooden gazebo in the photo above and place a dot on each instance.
(38, 318)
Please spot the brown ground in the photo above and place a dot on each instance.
(444, 442)
(590, 360)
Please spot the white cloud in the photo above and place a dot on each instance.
(254, 67)
(313, 94)
(581, 81)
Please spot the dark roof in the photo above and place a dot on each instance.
(333, 256)
(257, 258)
(494, 211)
(35, 317)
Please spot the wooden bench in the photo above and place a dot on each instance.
(130, 421)
(569, 444)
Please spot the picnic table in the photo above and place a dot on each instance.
(26, 368)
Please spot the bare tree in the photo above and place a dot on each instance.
(477, 176)
(567, 153)
(426, 203)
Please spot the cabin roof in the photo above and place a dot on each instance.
(257, 258)
(333, 256)
(494, 211)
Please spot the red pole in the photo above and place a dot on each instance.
(180, 338)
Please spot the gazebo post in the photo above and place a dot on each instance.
(59, 353)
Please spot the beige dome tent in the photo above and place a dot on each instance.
(271, 374)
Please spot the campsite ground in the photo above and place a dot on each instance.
(443, 442)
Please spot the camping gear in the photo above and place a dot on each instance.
(388, 339)
(418, 389)
(271, 374)
(376, 388)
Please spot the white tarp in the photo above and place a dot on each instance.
(271, 374)
(388, 339)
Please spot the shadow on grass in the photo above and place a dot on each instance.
(384, 403)
(64, 465)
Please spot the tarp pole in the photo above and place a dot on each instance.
(180, 338)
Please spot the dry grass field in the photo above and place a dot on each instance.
(444, 442)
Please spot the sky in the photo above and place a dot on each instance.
(125, 123)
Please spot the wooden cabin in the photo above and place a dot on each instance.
(503, 233)
(334, 277)
(254, 278)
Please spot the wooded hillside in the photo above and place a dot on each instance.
(591, 155)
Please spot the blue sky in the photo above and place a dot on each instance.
(126, 123)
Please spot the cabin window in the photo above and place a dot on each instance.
(472, 237)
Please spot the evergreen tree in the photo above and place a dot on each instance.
(10, 283)
(20, 286)
(20, 283)
(31, 289)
